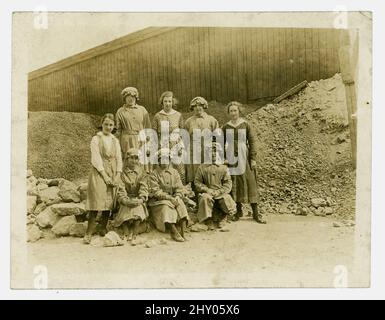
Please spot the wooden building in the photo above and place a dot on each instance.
(222, 64)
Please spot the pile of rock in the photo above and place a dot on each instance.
(55, 206)
(304, 153)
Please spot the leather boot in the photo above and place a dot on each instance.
(90, 227)
(175, 234)
(103, 223)
(239, 212)
(256, 215)
(183, 225)
(135, 228)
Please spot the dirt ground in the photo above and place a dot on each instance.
(290, 251)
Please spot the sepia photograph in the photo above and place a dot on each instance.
(191, 150)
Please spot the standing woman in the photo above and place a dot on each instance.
(200, 120)
(131, 118)
(106, 160)
(245, 187)
(172, 121)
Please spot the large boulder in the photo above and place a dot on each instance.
(39, 208)
(70, 196)
(49, 195)
(68, 191)
(33, 233)
(78, 229)
(66, 185)
(47, 218)
(63, 226)
(31, 204)
(68, 209)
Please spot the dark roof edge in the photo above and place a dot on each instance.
(107, 47)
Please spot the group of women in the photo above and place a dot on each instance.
(158, 192)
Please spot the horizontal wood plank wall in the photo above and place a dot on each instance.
(222, 64)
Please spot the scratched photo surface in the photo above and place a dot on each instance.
(93, 94)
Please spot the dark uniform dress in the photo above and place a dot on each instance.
(244, 187)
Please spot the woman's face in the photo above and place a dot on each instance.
(234, 112)
(132, 161)
(130, 100)
(107, 126)
(167, 103)
(198, 109)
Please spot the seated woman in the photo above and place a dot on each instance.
(213, 182)
(167, 208)
(132, 196)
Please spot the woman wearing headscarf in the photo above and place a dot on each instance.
(167, 209)
(131, 118)
(132, 196)
(244, 147)
(200, 120)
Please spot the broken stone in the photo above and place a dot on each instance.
(48, 234)
(68, 191)
(42, 181)
(112, 239)
(70, 195)
(199, 227)
(31, 204)
(63, 226)
(302, 211)
(320, 212)
(39, 208)
(33, 233)
(68, 209)
(47, 218)
(32, 180)
(49, 195)
(284, 209)
(31, 219)
(66, 185)
(318, 202)
(349, 223)
(82, 189)
(337, 224)
(41, 187)
(151, 243)
(162, 241)
(328, 211)
(97, 242)
(78, 230)
(53, 182)
(29, 173)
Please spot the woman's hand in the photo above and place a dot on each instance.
(116, 179)
(106, 178)
(175, 201)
